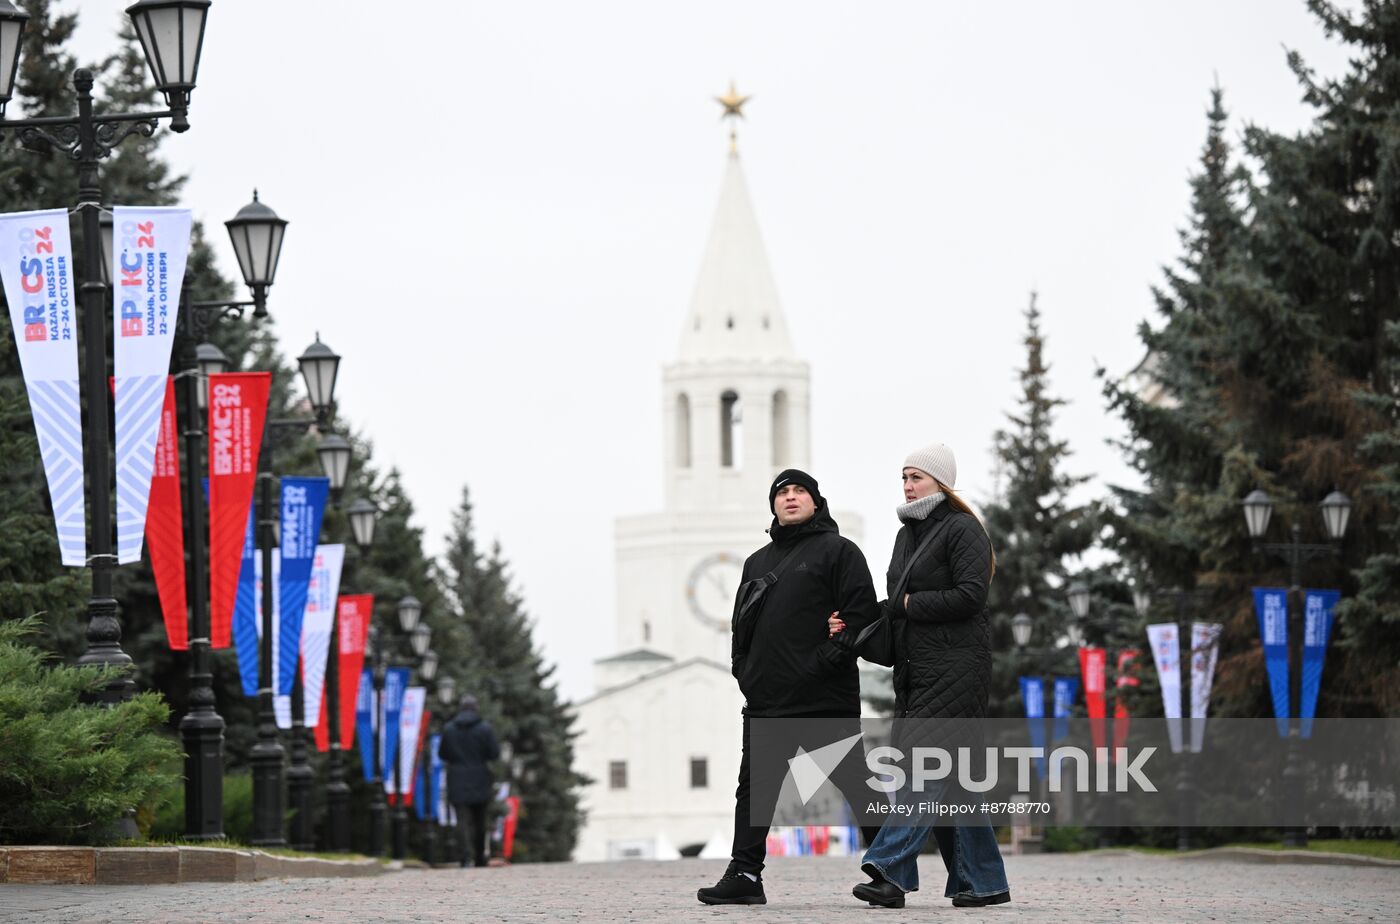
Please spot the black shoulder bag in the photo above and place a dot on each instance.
(875, 643)
(749, 601)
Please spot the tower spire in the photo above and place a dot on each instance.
(733, 105)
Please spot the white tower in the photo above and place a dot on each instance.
(736, 407)
(660, 737)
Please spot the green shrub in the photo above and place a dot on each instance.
(168, 819)
(1068, 839)
(70, 771)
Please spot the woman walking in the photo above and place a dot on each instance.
(937, 581)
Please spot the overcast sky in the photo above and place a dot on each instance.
(498, 210)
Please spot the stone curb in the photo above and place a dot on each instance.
(162, 865)
(1260, 855)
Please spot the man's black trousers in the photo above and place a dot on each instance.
(471, 827)
(750, 840)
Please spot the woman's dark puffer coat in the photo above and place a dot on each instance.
(943, 659)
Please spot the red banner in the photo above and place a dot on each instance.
(1091, 669)
(352, 616)
(323, 726)
(165, 535)
(1126, 677)
(237, 408)
(512, 819)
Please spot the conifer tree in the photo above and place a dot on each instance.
(1037, 530)
(505, 670)
(1275, 372)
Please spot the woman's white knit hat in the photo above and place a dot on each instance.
(936, 460)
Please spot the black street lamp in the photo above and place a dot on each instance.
(202, 728)
(420, 636)
(1079, 597)
(427, 669)
(267, 755)
(1336, 515)
(337, 789)
(363, 516)
(377, 807)
(257, 240)
(88, 138)
(447, 698)
(1184, 602)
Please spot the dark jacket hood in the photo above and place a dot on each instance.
(819, 522)
(466, 718)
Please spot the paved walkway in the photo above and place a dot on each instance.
(1053, 888)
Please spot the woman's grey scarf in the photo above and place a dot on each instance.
(921, 508)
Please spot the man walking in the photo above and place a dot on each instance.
(786, 665)
(468, 746)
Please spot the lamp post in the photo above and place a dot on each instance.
(1183, 601)
(1079, 597)
(376, 800)
(267, 755)
(410, 609)
(1336, 515)
(173, 57)
(447, 698)
(427, 669)
(363, 517)
(202, 728)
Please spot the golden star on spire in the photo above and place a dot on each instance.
(733, 105)
(732, 102)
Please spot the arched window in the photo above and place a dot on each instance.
(682, 431)
(731, 431)
(780, 430)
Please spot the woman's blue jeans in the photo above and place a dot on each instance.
(969, 852)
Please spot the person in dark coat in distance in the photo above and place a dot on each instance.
(468, 746)
(788, 667)
(942, 672)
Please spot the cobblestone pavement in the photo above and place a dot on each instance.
(1059, 888)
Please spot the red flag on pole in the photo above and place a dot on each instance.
(237, 408)
(1091, 668)
(352, 628)
(165, 534)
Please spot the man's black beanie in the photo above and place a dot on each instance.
(793, 476)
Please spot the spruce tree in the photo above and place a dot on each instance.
(505, 670)
(1275, 372)
(1037, 530)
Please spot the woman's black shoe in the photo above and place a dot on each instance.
(974, 901)
(884, 893)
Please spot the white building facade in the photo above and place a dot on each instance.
(660, 736)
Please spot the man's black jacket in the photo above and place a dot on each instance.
(790, 665)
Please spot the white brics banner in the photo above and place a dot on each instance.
(1205, 646)
(316, 627)
(149, 247)
(282, 705)
(1166, 654)
(410, 721)
(36, 263)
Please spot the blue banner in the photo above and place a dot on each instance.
(1317, 629)
(395, 682)
(245, 628)
(1033, 695)
(1066, 691)
(435, 772)
(420, 792)
(364, 722)
(303, 504)
(1271, 605)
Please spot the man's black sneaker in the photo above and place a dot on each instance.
(973, 901)
(733, 888)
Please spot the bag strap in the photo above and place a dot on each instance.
(909, 565)
(777, 572)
